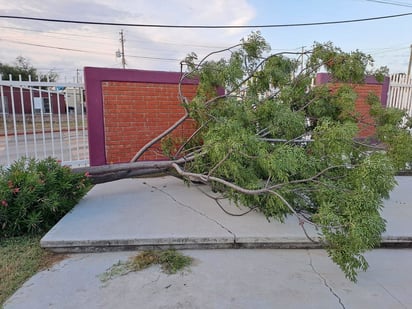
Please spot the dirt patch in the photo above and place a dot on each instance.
(50, 259)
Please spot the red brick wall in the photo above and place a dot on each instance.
(136, 112)
(362, 108)
(366, 123)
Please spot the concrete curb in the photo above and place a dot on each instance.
(199, 243)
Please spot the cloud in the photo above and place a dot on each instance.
(101, 42)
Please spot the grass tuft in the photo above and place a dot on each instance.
(171, 262)
(144, 260)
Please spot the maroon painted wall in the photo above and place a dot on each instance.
(25, 96)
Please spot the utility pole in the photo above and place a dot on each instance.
(122, 52)
(410, 63)
(302, 64)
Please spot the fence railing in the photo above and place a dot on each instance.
(41, 119)
(400, 92)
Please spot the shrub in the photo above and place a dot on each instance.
(34, 195)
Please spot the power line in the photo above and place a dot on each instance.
(204, 26)
(52, 47)
(84, 51)
(385, 50)
(57, 33)
(397, 3)
(65, 34)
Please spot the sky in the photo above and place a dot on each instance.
(67, 48)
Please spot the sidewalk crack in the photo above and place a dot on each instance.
(390, 294)
(325, 282)
(194, 210)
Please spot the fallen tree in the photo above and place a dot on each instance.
(275, 142)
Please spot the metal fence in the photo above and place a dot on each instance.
(400, 92)
(41, 119)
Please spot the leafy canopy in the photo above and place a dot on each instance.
(22, 67)
(276, 142)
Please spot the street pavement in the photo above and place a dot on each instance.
(70, 148)
(136, 214)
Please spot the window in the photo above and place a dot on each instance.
(46, 106)
(41, 105)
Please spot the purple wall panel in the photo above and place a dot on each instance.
(94, 98)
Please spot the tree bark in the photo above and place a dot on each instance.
(108, 173)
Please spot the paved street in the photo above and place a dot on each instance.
(67, 147)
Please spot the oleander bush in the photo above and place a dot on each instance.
(35, 194)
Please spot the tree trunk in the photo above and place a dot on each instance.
(107, 173)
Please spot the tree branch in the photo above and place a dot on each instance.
(185, 103)
(189, 139)
(160, 136)
(278, 186)
(207, 179)
(219, 163)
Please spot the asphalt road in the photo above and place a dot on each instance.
(67, 147)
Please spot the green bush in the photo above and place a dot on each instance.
(34, 195)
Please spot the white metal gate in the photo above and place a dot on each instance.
(400, 92)
(43, 119)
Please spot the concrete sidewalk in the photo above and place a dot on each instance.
(163, 212)
(220, 279)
